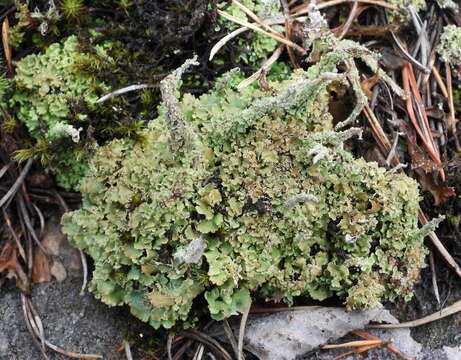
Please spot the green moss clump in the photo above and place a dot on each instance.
(234, 193)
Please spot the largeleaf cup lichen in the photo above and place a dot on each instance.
(235, 193)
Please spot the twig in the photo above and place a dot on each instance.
(434, 276)
(368, 336)
(439, 81)
(438, 244)
(449, 310)
(128, 350)
(124, 91)
(408, 55)
(242, 332)
(255, 17)
(12, 191)
(194, 334)
(304, 8)
(350, 19)
(254, 310)
(265, 67)
(169, 343)
(258, 29)
(55, 348)
(230, 336)
(353, 344)
(199, 353)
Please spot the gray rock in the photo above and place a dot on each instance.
(288, 335)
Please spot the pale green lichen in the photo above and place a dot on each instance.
(260, 198)
(45, 87)
(44, 95)
(449, 47)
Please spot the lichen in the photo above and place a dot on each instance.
(262, 198)
(449, 47)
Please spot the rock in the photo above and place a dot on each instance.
(3, 345)
(290, 334)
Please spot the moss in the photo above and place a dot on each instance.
(234, 193)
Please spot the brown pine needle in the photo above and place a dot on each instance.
(355, 351)
(258, 29)
(354, 343)
(368, 336)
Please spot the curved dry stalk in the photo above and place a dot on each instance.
(124, 90)
(449, 310)
(265, 67)
(14, 188)
(37, 331)
(243, 323)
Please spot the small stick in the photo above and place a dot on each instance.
(265, 66)
(255, 17)
(434, 276)
(368, 336)
(242, 332)
(128, 351)
(439, 246)
(305, 8)
(354, 343)
(231, 337)
(449, 310)
(124, 91)
(258, 29)
(350, 19)
(439, 81)
(355, 351)
(14, 188)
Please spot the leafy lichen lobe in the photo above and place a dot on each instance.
(261, 197)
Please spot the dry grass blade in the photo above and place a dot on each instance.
(258, 29)
(169, 343)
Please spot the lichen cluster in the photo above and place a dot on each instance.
(46, 87)
(235, 193)
(449, 47)
(52, 98)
